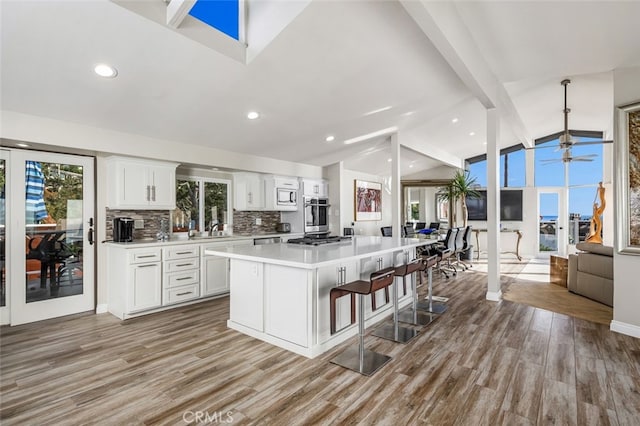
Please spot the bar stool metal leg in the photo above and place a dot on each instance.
(412, 316)
(394, 331)
(361, 359)
(431, 306)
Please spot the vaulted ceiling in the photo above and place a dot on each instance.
(326, 72)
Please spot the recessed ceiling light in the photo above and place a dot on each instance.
(410, 165)
(484, 143)
(215, 169)
(104, 70)
(23, 145)
(454, 120)
(330, 138)
(472, 133)
(389, 160)
(252, 115)
(408, 113)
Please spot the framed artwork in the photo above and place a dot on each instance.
(628, 179)
(368, 200)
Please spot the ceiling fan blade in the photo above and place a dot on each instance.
(592, 143)
(555, 160)
(580, 159)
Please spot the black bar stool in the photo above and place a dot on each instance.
(411, 315)
(431, 306)
(360, 359)
(394, 331)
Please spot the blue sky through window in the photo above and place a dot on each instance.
(222, 15)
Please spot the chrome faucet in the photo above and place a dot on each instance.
(213, 227)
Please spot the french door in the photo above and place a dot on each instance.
(552, 222)
(48, 236)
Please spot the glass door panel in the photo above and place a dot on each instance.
(52, 206)
(552, 221)
(53, 230)
(3, 222)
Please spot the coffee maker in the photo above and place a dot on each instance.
(123, 229)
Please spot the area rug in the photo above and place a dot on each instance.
(557, 299)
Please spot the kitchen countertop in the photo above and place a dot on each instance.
(310, 257)
(197, 240)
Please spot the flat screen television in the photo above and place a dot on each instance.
(510, 205)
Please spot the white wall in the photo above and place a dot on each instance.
(369, 227)
(626, 291)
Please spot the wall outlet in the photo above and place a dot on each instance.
(258, 221)
(138, 224)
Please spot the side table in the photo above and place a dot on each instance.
(559, 268)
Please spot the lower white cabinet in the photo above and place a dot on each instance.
(144, 287)
(247, 285)
(286, 313)
(215, 276)
(329, 277)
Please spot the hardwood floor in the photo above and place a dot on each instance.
(481, 362)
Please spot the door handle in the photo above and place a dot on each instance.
(153, 193)
(90, 235)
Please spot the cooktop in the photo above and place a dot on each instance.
(317, 241)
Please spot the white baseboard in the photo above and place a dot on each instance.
(624, 328)
(102, 308)
(494, 296)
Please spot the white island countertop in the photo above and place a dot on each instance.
(310, 257)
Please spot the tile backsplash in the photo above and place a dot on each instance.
(244, 222)
(151, 222)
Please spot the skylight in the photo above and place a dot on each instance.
(222, 15)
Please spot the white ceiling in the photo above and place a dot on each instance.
(333, 64)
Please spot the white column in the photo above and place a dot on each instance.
(396, 211)
(493, 205)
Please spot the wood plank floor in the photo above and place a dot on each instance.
(480, 363)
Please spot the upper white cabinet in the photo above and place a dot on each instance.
(248, 191)
(315, 188)
(281, 193)
(141, 184)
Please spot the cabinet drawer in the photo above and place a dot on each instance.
(181, 294)
(182, 264)
(176, 279)
(145, 256)
(181, 252)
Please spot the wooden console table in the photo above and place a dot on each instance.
(516, 252)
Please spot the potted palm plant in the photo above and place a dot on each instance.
(460, 188)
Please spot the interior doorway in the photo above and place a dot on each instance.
(49, 202)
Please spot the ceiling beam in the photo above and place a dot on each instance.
(177, 10)
(442, 24)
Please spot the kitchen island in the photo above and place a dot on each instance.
(279, 293)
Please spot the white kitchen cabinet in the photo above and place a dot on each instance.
(329, 277)
(248, 191)
(247, 285)
(181, 279)
(215, 276)
(141, 184)
(285, 316)
(134, 278)
(143, 289)
(318, 188)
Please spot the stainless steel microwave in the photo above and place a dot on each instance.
(286, 197)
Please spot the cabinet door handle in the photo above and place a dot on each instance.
(183, 278)
(153, 193)
(146, 255)
(184, 264)
(147, 266)
(184, 294)
(183, 252)
(148, 191)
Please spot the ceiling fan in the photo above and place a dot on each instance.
(567, 142)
